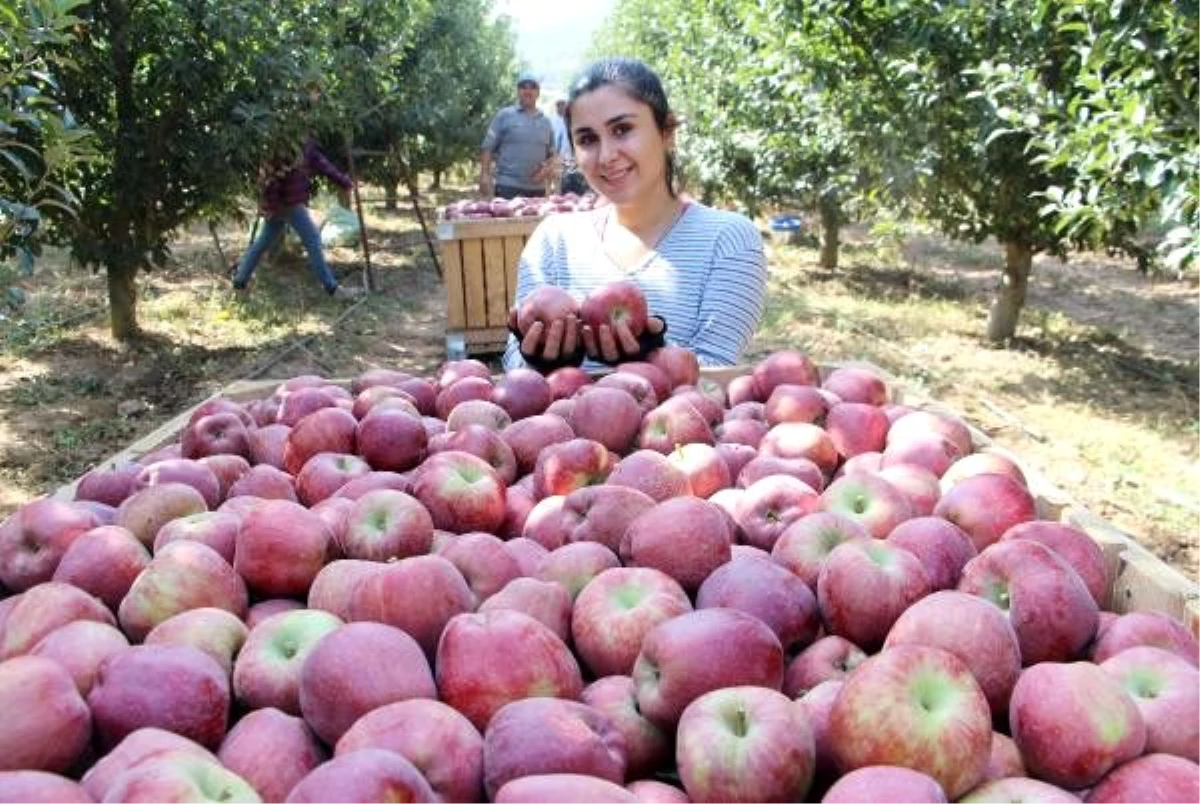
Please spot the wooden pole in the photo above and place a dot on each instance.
(372, 285)
(413, 194)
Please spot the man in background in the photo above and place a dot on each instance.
(570, 179)
(518, 154)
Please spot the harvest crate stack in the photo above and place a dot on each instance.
(479, 263)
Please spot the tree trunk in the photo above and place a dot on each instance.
(437, 181)
(122, 301)
(1010, 293)
(391, 198)
(831, 222)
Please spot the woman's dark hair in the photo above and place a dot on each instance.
(640, 83)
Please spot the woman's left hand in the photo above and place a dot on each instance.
(617, 344)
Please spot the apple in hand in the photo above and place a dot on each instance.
(918, 707)
(547, 304)
(616, 303)
(745, 743)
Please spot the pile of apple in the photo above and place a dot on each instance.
(519, 207)
(642, 586)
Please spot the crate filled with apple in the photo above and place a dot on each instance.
(518, 207)
(792, 580)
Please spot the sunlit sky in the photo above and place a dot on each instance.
(552, 35)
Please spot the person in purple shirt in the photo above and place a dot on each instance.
(285, 187)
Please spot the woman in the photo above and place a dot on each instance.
(703, 270)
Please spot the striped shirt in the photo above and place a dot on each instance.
(707, 277)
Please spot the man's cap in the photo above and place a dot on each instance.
(528, 77)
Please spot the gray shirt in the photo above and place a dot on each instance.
(519, 142)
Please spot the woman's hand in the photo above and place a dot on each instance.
(617, 344)
(542, 344)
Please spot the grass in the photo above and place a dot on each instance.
(1098, 393)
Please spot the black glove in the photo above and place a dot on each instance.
(541, 364)
(647, 342)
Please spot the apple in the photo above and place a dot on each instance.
(545, 601)
(522, 392)
(864, 586)
(439, 741)
(36, 785)
(747, 409)
(129, 694)
(971, 628)
(385, 524)
(325, 473)
(267, 444)
(748, 432)
(918, 707)
(762, 466)
(679, 363)
(374, 480)
(461, 491)
(103, 562)
(216, 529)
(783, 366)
(297, 404)
(488, 659)
(764, 589)
(1153, 777)
(387, 596)
(29, 616)
(573, 565)
(423, 393)
(483, 442)
(870, 499)
(369, 774)
(528, 436)
(986, 461)
(652, 790)
(108, 484)
(452, 371)
(685, 537)
(369, 378)
(1019, 788)
(942, 547)
(616, 609)
(652, 473)
(194, 473)
(1005, 761)
(920, 423)
(985, 506)
(1166, 688)
(880, 783)
(46, 723)
(1078, 549)
(772, 504)
(920, 485)
(929, 450)
(356, 668)
(857, 384)
(736, 457)
(533, 736)
(655, 375)
(391, 439)
(143, 512)
(816, 704)
(329, 429)
(706, 470)
(555, 787)
(479, 412)
(281, 547)
(1106, 725)
(698, 651)
(1051, 610)
(266, 482)
(81, 646)
(547, 523)
(830, 658)
(1145, 628)
(745, 743)
(805, 544)
(219, 433)
(460, 391)
(334, 586)
(384, 396)
(547, 304)
(790, 402)
(801, 440)
(141, 744)
(566, 380)
(483, 562)
(217, 632)
(647, 747)
(34, 538)
(601, 514)
(272, 751)
(179, 775)
(267, 669)
(641, 389)
(562, 468)
(610, 416)
(671, 423)
(614, 303)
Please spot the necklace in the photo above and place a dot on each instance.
(633, 253)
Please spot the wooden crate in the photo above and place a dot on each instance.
(1137, 579)
(479, 266)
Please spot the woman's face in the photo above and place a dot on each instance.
(618, 146)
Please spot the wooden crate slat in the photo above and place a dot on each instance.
(473, 283)
(495, 279)
(512, 257)
(452, 271)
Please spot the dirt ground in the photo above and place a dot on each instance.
(1105, 356)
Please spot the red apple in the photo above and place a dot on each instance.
(985, 506)
(647, 747)
(369, 774)
(556, 787)
(391, 439)
(864, 587)
(830, 658)
(857, 384)
(1166, 688)
(785, 366)
(281, 547)
(545, 601)
(329, 429)
(1074, 546)
(81, 646)
(917, 707)
(565, 381)
(217, 632)
(685, 537)
(679, 363)
(764, 589)
(547, 304)
(652, 473)
(266, 482)
(942, 547)
(1153, 777)
(483, 562)
(795, 403)
(617, 302)
(484, 443)
(762, 466)
(385, 524)
(801, 440)
(917, 423)
(386, 596)
(671, 423)
(219, 433)
(884, 783)
(141, 744)
(562, 468)
(1145, 628)
(35, 785)
(46, 722)
(29, 616)
(272, 751)
(216, 529)
(602, 513)
(34, 538)
(109, 484)
(803, 547)
(610, 416)
(870, 499)
(770, 505)
(527, 437)
(104, 562)
(267, 669)
(462, 492)
(745, 743)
